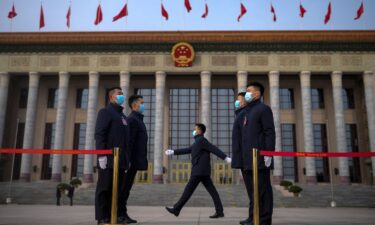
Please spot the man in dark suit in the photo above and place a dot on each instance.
(240, 105)
(138, 148)
(111, 131)
(201, 170)
(257, 131)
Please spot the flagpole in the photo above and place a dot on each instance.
(126, 17)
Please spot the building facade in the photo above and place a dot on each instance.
(319, 84)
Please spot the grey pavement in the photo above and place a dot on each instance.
(84, 215)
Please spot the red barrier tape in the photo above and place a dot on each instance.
(318, 154)
(63, 152)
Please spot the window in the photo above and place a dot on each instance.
(52, 98)
(78, 143)
(286, 98)
(320, 145)
(222, 116)
(49, 139)
(183, 114)
(82, 98)
(23, 98)
(149, 117)
(348, 98)
(288, 144)
(352, 146)
(317, 98)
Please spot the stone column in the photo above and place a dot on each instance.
(28, 137)
(4, 86)
(90, 126)
(368, 81)
(305, 78)
(241, 81)
(274, 79)
(340, 126)
(60, 124)
(206, 102)
(159, 125)
(124, 84)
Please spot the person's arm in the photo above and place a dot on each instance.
(182, 151)
(268, 129)
(214, 150)
(103, 122)
(133, 129)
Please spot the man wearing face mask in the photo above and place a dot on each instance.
(111, 131)
(240, 105)
(201, 170)
(138, 148)
(257, 131)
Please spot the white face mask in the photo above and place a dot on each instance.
(194, 133)
(248, 97)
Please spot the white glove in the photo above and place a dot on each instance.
(169, 152)
(103, 162)
(267, 161)
(228, 160)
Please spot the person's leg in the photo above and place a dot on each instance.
(189, 190)
(126, 186)
(248, 180)
(103, 194)
(265, 197)
(208, 184)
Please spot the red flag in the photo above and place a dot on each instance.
(12, 13)
(302, 10)
(328, 14)
(122, 13)
(205, 14)
(164, 12)
(360, 11)
(243, 12)
(273, 12)
(187, 5)
(41, 19)
(68, 18)
(99, 15)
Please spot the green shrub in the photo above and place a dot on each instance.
(75, 182)
(63, 187)
(286, 183)
(295, 189)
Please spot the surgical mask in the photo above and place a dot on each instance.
(248, 97)
(120, 99)
(141, 108)
(237, 104)
(194, 133)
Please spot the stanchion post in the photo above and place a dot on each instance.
(116, 152)
(255, 188)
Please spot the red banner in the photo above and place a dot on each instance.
(318, 154)
(63, 152)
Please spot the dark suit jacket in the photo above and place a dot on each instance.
(257, 131)
(112, 130)
(200, 155)
(138, 141)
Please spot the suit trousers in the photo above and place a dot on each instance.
(265, 195)
(192, 185)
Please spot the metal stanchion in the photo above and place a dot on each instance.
(115, 186)
(255, 188)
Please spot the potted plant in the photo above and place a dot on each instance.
(286, 184)
(295, 190)
(75, 182)
(63, 187)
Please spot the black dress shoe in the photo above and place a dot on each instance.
(104, 221)
(125, 220)
(173, 211)
(217, 215)
(246, 222)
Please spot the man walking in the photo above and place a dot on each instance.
(257, 131)
(201, 170)
(138, 147)
(111, 131)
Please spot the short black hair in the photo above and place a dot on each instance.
(110, 91)
(257, 85)
(133, 98)
(201, 126)
(241, 94)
